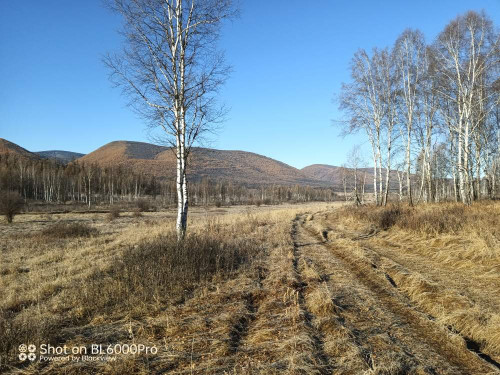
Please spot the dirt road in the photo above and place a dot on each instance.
(363, 322)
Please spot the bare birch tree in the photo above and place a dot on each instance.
(171, 69)
(363, 100)
(426, 123)
(467, 52)
(447, 97)
(387, 77)
(409, 51)
(355, 161)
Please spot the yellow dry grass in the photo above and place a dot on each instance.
(316, 289)
(45, 295)
(444, 257)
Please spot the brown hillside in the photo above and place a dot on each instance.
(333, 175)
(238, 166)
(10, 148)
(324, 172)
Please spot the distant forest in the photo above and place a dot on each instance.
(52, 181)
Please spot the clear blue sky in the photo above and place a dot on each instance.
(289, 60)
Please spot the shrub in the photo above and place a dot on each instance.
(218, 203)
(142, 205)
(68, 230)
(114, 213)
(11, 204)
(388, 217)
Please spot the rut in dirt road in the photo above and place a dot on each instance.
(365, 324)
(324, 363)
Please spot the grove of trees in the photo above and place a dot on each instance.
(47, 181)
(431, 111)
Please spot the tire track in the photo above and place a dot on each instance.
(393, 336)
(240, 328)
(400, 277)
(322, 359)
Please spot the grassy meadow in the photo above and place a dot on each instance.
(298, 289)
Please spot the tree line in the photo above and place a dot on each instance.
(49, 181)
(430, 111)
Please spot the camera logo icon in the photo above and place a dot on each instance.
(27, 352)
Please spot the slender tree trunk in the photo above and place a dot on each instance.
(408, 164)
(400, 180)
(422, 179)
(363, 189)
(380, 191)
(182, 201)
(461, 168)
(375, 192)
(388, 171)
(465, 167)
(478, 171)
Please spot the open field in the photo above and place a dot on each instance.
(299, 289)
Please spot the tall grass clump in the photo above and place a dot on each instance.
(435, 218)
(382, 217)
(163, 271)
(68, 230)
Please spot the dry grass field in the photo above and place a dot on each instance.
(299, 289)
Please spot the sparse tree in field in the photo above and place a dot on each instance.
(171, 69)
(11, 204)
(344, 176)
(354, 162)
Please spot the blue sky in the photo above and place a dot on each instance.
(289, 58)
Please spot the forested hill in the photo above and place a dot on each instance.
(59, 155)
(335, 175)
(237, 166)
(7, 147)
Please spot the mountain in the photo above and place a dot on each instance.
(10, 148)
(333, 175)
(62, 156)
(324, 172)
(238, 166)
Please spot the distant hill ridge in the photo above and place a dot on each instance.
(239, 166)
(7, 147)
(333, 175)
(60, 155)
